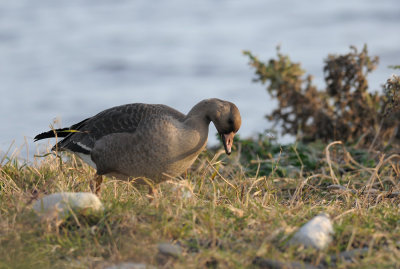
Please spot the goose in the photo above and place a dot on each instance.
(146, 141)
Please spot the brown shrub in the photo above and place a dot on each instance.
(344, 110)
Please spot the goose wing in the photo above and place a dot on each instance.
(120, 119)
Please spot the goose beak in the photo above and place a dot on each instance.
(227, 140)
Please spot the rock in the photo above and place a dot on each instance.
(349, 255)
(170, 250)
(186, 194)
(273, 264)
(129, 265)
(61, 204)
(183, 190)
(316, 233)
(340, 189)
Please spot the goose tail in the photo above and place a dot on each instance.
(63, 132)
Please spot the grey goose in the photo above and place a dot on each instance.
(150, 141)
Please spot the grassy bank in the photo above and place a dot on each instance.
(227, 212)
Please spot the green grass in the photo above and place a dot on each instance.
(244, 206)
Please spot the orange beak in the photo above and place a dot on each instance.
(227, 140)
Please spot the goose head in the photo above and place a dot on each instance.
(227, 120)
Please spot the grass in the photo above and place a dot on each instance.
(224, 213)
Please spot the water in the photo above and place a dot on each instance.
(72, 59)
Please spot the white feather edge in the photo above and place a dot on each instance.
(83, 146)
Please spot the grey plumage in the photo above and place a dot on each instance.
(142, 140)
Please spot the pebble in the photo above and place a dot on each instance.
(61, 204)
(129, 265)
(316, 233)
(170, 249)
(273, 264)
(350, 255)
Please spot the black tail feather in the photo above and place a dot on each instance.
(52, 133)
(62, 132)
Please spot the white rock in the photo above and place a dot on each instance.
(183, 189)
(129, 265)
(62, 203)
(186, 194)
(316, 233)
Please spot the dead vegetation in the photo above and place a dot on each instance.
(345, 110)
(220, 215)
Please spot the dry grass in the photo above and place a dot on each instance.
(224, 213)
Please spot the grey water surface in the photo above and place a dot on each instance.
(68, 60)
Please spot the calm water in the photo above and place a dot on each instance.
(72, 59)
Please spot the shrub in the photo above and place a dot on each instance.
(344, 110)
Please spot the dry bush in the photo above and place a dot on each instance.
(344, 110)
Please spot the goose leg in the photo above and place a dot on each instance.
(153, 193)
(97, 180)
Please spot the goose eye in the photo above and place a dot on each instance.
(230, 121)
